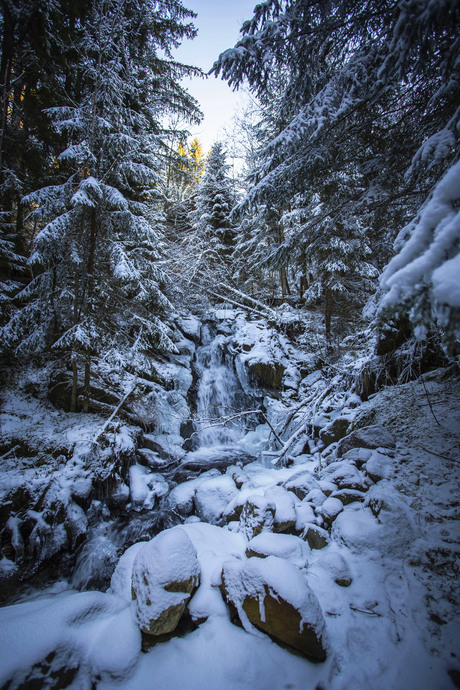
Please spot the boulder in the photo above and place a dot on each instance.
(335, 430)
(347, 476)
(358, 456)
(374, 436)
(212, 497)
(316, 497)
(316, 536)
(165, 574)
(268, 375)
(274, 596)
(335, 565)
(286, 546)
(285, 515)
(347, 496)
(379, 466)
(330, 509)
(304, 515)
(301, 484)
(257, 515)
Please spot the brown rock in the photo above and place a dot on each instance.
(275, 597)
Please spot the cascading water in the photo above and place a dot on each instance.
(219, 393)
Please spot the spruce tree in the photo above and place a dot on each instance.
(95, 258)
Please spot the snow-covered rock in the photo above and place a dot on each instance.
(145, 487)
(181, 498)
(316, 536)
(285, 515)
(212, 497)
(286, 546)
(165, 573)
(379, 466)
(330, 509)
(374, 436)
(274, 596)
(258, 514)
(301, 483)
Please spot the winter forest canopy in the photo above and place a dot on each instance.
(222, 387)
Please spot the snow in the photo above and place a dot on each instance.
(145, 487)
(120, 584)
(430, 255)
(285, 546)
(93, 631)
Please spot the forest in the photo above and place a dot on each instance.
(230, 397)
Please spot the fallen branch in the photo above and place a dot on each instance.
(438, 455)
(220, 421)
(250, 299)
(369, 613)
(8, 452)
(114, 413)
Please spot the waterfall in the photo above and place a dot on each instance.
(219, 393)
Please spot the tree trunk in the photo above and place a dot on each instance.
(327, 314)
(5, 72)
(91, 261)
(73, 354)
(284, 283)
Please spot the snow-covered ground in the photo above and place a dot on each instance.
(395, 626)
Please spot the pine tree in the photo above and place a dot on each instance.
(96, 280)
(365, 117)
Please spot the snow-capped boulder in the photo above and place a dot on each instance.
(335, 430)
(285, 515)
(165, 574)
(286, 546)
(347, 496)
(330, 509)
(358, 456)
(258, 515)
(374, 436)
(145, 487)
(327, 487)
(379, 466)
(301, 483)
(346, 476)
(120, 583)
(274, 596)
(181, 498)
(304, 515)
(334, 565)
(316, 497)
(316, 536)
(212, 497)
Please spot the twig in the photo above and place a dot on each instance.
(122, 401)
(438, 455)
(429, 401)
(369, 613)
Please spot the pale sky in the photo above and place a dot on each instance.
(219, 22)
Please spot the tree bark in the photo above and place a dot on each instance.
(6, 63)
(91, 261)
(327, 314)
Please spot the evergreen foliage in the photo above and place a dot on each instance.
(362, 120)
(95, 257)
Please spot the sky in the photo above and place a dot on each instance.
(218, 24)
